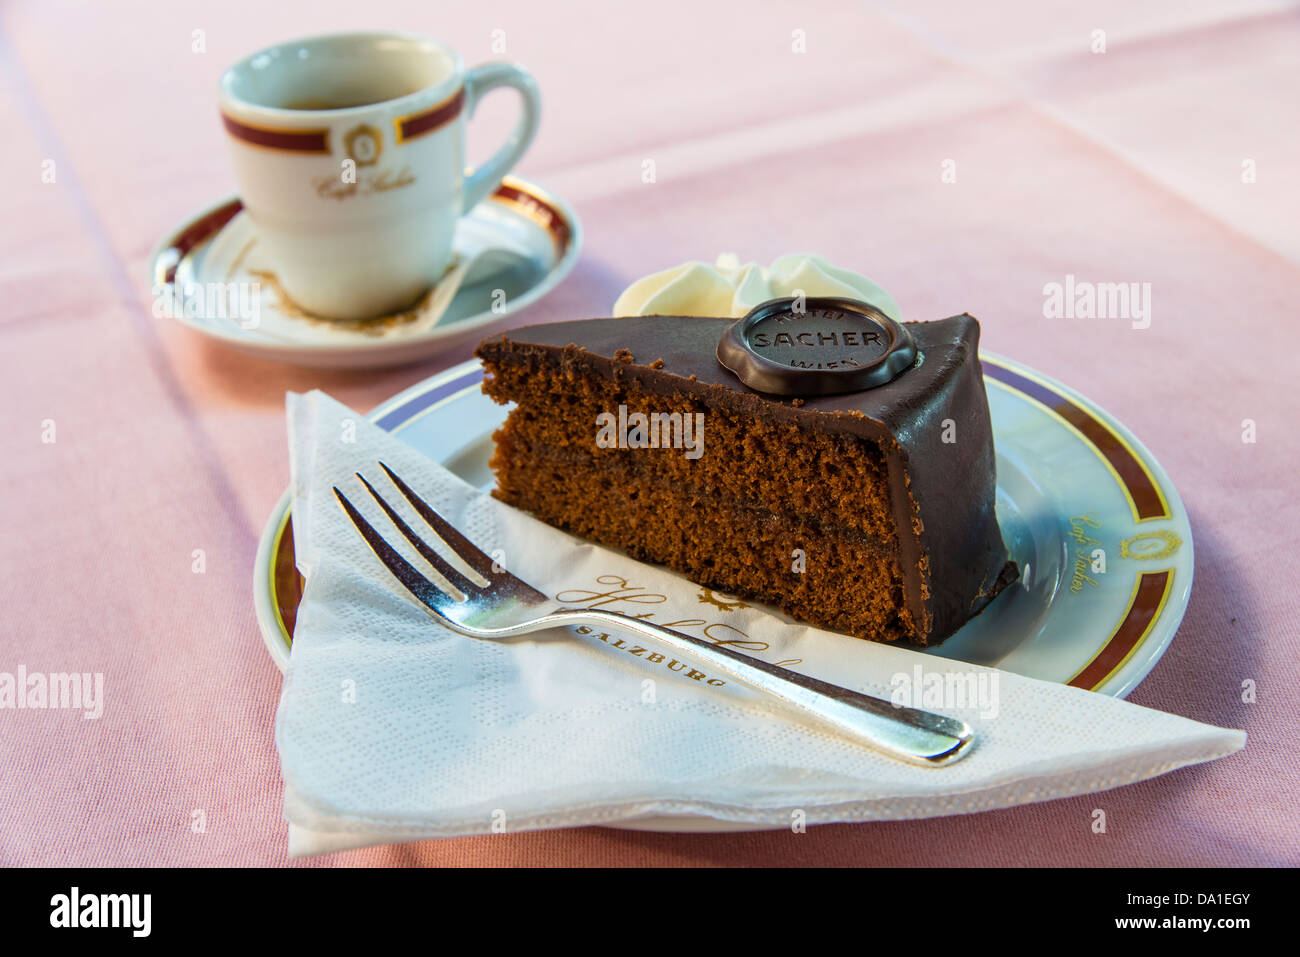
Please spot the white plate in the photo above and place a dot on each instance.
(523, 242)
(1075, 489)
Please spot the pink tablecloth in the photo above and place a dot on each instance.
(1169, 158)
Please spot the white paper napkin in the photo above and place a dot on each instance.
(391, 728)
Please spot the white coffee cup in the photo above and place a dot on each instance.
(349, 153)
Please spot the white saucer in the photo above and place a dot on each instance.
(1071, 479)
(512, 249)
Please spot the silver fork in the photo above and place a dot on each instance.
(493, 604)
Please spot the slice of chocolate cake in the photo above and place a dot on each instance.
(844, 471)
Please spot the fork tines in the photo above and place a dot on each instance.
(480, 565)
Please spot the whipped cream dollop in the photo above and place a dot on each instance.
(732, 288)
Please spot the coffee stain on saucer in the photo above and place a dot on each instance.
(374, 326)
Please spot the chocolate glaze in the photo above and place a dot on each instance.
(951, 550)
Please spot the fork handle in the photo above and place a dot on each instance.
(920, 737)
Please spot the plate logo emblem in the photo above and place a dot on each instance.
(1151, 546)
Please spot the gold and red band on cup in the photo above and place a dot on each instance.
(297, 140)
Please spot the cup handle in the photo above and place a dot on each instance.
(478, 81)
